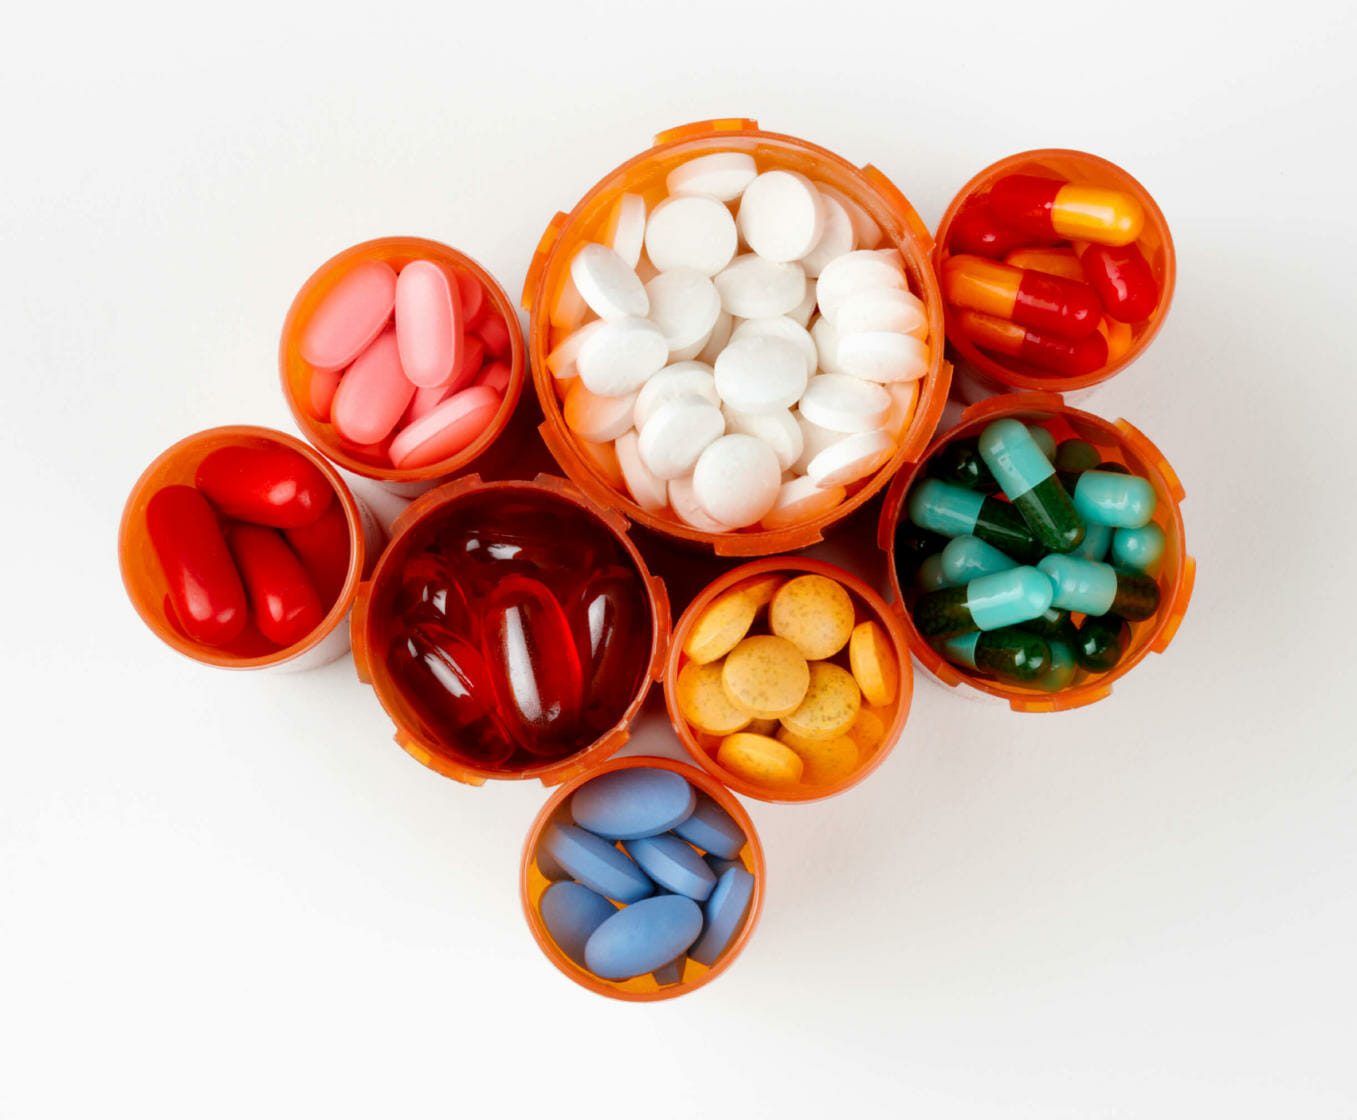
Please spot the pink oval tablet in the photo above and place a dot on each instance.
(373, 394)
(321, 392)
(469, 360)
(446, 430)
(495, 376)
(350, 316)
(428, 323)
(494, 332)
(474, 304)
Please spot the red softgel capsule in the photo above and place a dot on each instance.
(431, 590)
(325, 550)
(271, 486)
(1123, 279)
(204, 586)
(612, 635)
(283, 602)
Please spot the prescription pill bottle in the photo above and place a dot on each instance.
(548, 275)
(644, 988)
(145, 580)
(996, 372)
(500, 537)
(373, 461)
(888, 718)
(1117, 442)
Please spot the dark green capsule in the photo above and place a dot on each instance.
(1010, 653)
(1029, 480)
(1076, 455)
(960, 464)
(1103, 642)
(1054, 626)
(953, 511)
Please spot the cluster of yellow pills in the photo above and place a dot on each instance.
(804, 703)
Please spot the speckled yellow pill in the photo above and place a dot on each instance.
(814, 613)
(831, 704)
(868, 730)
(765, 677)
(704, 703)
(874, 664)
(728, 618)
(824, 761)
(759, 759)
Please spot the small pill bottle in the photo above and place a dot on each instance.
(978, 372)
(145, 581)
(644, 175)
(639, 989)
(867, 606)
(1118, 441)
(372, 462)
(376, 618)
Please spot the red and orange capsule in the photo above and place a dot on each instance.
(1070, 356)
(1029, 298)
(1053, 262)
(1044, 207)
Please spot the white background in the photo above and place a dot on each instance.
(232, 895)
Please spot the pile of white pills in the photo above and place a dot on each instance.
(740, 354)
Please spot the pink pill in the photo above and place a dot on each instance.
(495, 376)
(373, 394)
(474, 304)
(428, 323)
(466, 374)
(494, 332)
(445, 431)
(350, 316)
(321, 392)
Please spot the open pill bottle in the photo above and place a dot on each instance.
(145, 579)
(1117, 442)
(548, 281)
(887, 716)
(515, 554)
(1125, 342)
(299, 377)
(643, 988)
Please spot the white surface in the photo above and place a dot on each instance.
(232, 895)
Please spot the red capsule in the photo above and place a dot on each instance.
(1072, 357)
(1033, 299)
(612, 634)
(285, 606)
(204, 585)
(1045, 207)
(976, 230)
(1123, 279)
(494, 332)
(325, 550)
(264, 485)
(430, 589)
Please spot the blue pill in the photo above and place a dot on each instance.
(549, 868)
(966, 557)
(1140, 550)
(1097, 540)
(596, 863)
(718, 866)
(671, 973)
(725, 913)
(712, 829)
(572, 912)
(673, 865)
(643, 937)
(626, 804)
(1123, 501)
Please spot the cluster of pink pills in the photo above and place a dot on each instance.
(408, 366)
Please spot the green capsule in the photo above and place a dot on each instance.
(953, 511)
(1055, 626)
(1115, 498)
(988, 603)
(1097, 540)
(1103, 642)
(960, 464)
(1011, 653)
(912, 547)
(1030, 482)
(1094, 588)
(1076, 455)
(1139, 550)
(1064, 665)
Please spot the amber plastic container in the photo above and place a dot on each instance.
(644, 174)
(639, 989)
(296, 374)
(374, 616)
(1009, 375)
(868, 604)
(1119, 441)
(145, 582)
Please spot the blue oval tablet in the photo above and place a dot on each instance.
(673, 865)
(572, 912)
(549, 868)
(643, 937)
(726, 910)
(671, 973)
(712, 829)
(718, 866)
(627, 804)
(596, 863)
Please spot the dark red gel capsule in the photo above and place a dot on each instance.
(204, 585)
(285, 606)
(325, 550)
(264, 485)
(612, 635)
(431, 590)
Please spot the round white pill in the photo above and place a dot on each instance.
(691, 231)
(800, 500)
(826, 338)
(835, 241)
(779, 430)
(904, 397)
(883, 309)
(684, 304)
(855, 272)
(597, 419)
(737, 479)
(647, 491)
(858, 456)
(683, 501)
(883, 356)
(716, 341)
(682, 379)
(722, 175)
(754, 288)
(677, 433)
(781, 215)
(626, 229)
(843, 404)
(814, 439)
(866, 233)
(783, 327)
(617, 358)
(760, 374)
(561, 361)
(608, 284)
(802, 312)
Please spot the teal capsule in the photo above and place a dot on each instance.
(1094, 588)
(1097, 540)
(1043, 439)
(1103, 497)
(1053, 625)
(1030, 482)
(1139, 550)
(966, 558)
(1062, 669)
(1076, 455)
(1102, 642)
(989, 603)
(1010, 653)
(930, 576)
(954, 511)
(960, 464)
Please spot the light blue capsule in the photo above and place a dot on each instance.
(1080, 585)
(1097, 540)
(930, 576)
(1122, 501)
(966, 558)
(1008, 598)
(1013, 457)
(1140, 550)
(944, 509)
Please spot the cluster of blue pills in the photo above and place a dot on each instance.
(1029, 561)
(646, 876)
